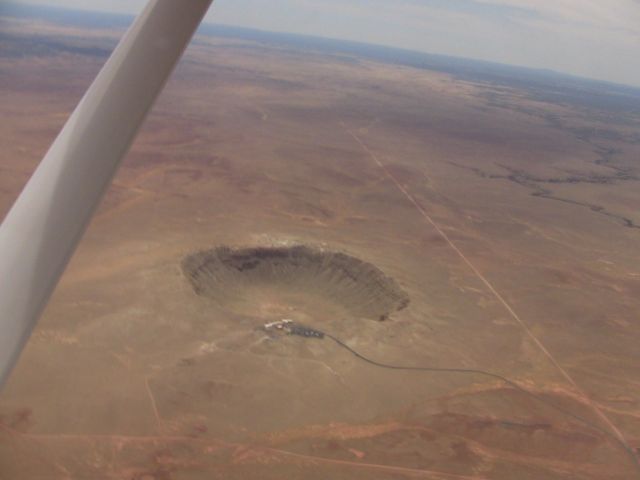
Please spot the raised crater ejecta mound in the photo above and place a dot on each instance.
(293, 278)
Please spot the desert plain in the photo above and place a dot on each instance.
(423, 217)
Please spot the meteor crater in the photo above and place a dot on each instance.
(294, 277)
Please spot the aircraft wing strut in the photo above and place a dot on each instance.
(41, 231)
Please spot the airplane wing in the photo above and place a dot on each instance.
(41, 231)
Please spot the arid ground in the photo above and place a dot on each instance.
(483, 224)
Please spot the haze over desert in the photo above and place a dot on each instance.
(476, 220)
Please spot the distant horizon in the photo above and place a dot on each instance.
(582, 38)
(208, 22)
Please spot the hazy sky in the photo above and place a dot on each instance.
(591, 38)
